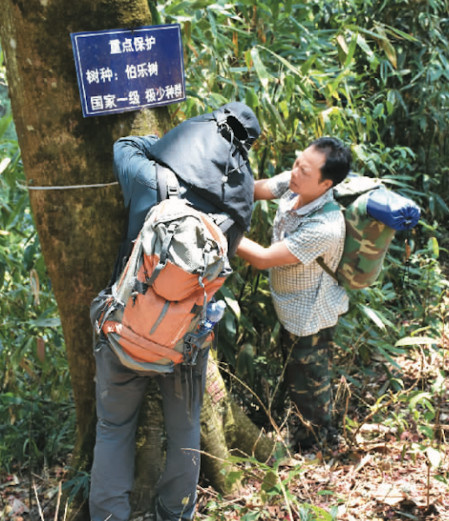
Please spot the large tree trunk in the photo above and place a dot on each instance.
(79, 228)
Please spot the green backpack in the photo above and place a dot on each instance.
(372, 214)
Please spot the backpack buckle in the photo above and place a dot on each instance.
(172, 191)
(190, 351)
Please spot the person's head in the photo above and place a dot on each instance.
(338, 158)
(323, 164)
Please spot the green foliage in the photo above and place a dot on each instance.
(36, 415)
(374, 76)
(274, 496)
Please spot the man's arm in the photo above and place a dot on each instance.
(263, 258)
(261, 190)
(132, 162)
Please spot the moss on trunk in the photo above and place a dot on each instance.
(225, 428)
(80, 229)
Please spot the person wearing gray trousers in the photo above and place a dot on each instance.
(119, 394)
(209, 156)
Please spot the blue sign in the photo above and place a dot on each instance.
(121, 70)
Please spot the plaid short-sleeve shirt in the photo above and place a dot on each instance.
(306, 298)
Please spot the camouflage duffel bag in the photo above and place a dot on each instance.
(372, 215)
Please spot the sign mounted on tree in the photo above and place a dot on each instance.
(120, 70)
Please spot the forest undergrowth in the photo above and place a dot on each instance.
(376, 77)
(390, 461)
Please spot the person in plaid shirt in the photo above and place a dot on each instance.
(308, 301)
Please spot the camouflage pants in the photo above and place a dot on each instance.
(307, 374)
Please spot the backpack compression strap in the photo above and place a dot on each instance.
(168, 187)
(167, 182)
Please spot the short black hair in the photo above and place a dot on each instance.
(338, 158)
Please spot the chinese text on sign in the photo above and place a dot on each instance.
(121, 70)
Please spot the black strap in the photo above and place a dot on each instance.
(167, 183)
(226, 224)
(327, 207)
(326, 268)
(163, 256)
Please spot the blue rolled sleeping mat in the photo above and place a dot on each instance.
(394, 210)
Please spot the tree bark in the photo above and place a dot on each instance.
(80, 228)
(226, 429)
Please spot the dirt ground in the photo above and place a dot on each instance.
(391, 469)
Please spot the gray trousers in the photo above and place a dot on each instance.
(119, 393)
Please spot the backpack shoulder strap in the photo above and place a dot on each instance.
(167, 182)
(328, 207)
(168, 187)
(326, 268)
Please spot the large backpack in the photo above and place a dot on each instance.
(153, 314)
(372, 214)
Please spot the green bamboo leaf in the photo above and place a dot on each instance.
(218, 99)
(324, 115)
(442, 203)
(418, 398)
(234, 476)
(342, 44)
(416, 341)
(5, 121)
(433, 246)
(321, 514)
(4, 163)
(186, 7)
(277, 118)
(155, 16)
(270, 481)
(17, 211)
(387, 356)
(373, 315)
(261, 71)
(389, 51)
(305, 67)
(213, 26)
(397, 32)
(248, 59)
(251, 98)
(351, 51)
(364, 46)
(378, 110)
(46, 322)
(285, 62)
(367, 32)
(231, 301)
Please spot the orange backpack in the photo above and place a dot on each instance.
(152, 317)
